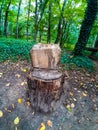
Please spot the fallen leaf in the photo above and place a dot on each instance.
(71, 94)
(75, 99)
(6, 109)
(42, 127)
(13, 106)
(16, 121)
(96, 86)
(18, 75)
(84, 94)
(22, 83)
(1, 113)
(81, 84)
(19, 100)
(33, 113)
(28, 103)
(66, 73)
(49, 123)
(96, 121)
(87, 74)
(1, 75)
(72, 105)
(68, 108)
(92, 79)
(8, 84)
(23, 70)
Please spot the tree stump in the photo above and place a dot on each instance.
(45, 88)
(45, 81)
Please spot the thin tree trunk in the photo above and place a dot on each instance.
(60, 23)
(28, 18)
(62, 40)
(6, 19)
(36, 21)
(17, 31)
(95, 46)
(43, 5)
(1, 8)
(86, 27)
(49, 24)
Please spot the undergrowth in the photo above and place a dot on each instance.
(13, 49)
(71, 62)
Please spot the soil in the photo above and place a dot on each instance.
(76, 110)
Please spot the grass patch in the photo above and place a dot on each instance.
(13, 49)
(78, 61)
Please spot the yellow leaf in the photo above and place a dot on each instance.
(8, 84)
(19, 100)
(84, 94)
(81, 84)
(49, 123)
(16, 121)
(28, 103)
(22, 83)
(75, 99)
(71, 94)
(43, 127)
(1, 75)
(23, 70)
(96, 86)
(1, 113)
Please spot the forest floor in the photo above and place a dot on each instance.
(78, 111)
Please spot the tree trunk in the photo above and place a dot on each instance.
(28, 18)
(17, 31)
(86, 27)
(36, 20)
(60, 23)
(62, 40)
(49, 24)
(1, 26)
(45, 88)
(6, 19)
(43, 5)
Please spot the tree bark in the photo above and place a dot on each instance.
(62, 40)
(60, 23)
(36, 20)
(17, 31)
(90, 16)
(43, 5)
(28, 18)
(45, 88)
(49, 24)
(6, 19)
(1, 8)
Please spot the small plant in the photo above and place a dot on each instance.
(12, 49)
(80, 61)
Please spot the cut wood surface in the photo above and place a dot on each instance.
(46, 74)
(45, 56)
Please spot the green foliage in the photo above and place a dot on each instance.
(79, 61)
(12, 49)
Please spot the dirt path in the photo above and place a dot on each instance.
(78, 105)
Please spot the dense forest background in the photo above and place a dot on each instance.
(63, 22)
(39, 20)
